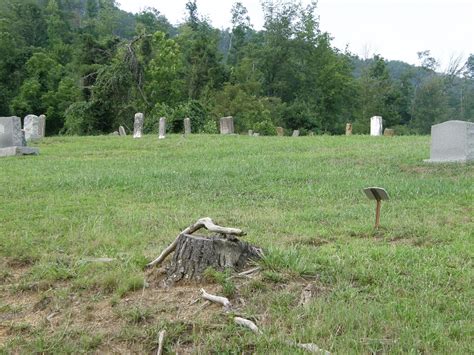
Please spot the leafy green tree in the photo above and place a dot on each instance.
(429, 105)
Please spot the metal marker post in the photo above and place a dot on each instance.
(378, 194)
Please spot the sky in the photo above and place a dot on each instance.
(395, 29)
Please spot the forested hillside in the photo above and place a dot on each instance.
(89, 66)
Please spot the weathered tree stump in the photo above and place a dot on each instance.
(194, 254)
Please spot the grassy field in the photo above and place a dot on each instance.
(405, 288)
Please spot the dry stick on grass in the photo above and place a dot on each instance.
(161, 338)
(216, 299)
(201, 223)
(248, 272)
(247, 323)
(310, 347)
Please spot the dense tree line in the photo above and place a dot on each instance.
(90, 66)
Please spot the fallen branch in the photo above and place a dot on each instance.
(249, 272)
(313, 348)
(161, 338)
(247, 323)
(201, 223)
(310, 347)
(216, 299)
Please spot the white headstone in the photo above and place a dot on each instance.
(122, 131)
(376, 126)
(34, 127)
(11, 138)
(138, 125)
(250, 132)
(187, 126)
(42, 119)
(10, 132)
(162, 128)
(296, 133)
(452, 141)
(227, 125)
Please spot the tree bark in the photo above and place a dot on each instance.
(194, 254)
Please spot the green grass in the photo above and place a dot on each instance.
(406, 287)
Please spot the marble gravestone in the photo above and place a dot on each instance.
(280, 131)
(122, 131)
(250, 132)
(452, 141)
(296, 133)
(11, 138)
(187, 126)
(227, 125)
(162, 128)
(376, 126)
(138, 125)
(348, 129)
(34, 127)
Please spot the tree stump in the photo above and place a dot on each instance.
(194, 254)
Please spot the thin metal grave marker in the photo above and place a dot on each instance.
(378, 194)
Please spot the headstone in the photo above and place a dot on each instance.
(280, 131)
(376, 126)
(162, 128)
(10, 132)
(452, 141)
(187, 126)
(311, 133)
(122, 131)
(138, 125)
(115, 133)
(250, 132)
(11, 138)
(256, 134)
(42, 129)
(389, 132)
(348, 129)
(296, 133)
(34, 127)
(227, 125)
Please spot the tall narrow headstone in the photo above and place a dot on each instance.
(34, 127)
(11, 138)
(162, 128)
(187, 126)
(452, 141)
(280, 131)
(122, 131)
(296, 133)
(250, 132)
(376, 126)
(348, 129)
(138, 125)
(227, 125)
(42, 122)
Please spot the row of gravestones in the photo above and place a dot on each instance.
(226, 126)
(139, 122)
(13, 139)
(451, 141)
(376, 128)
